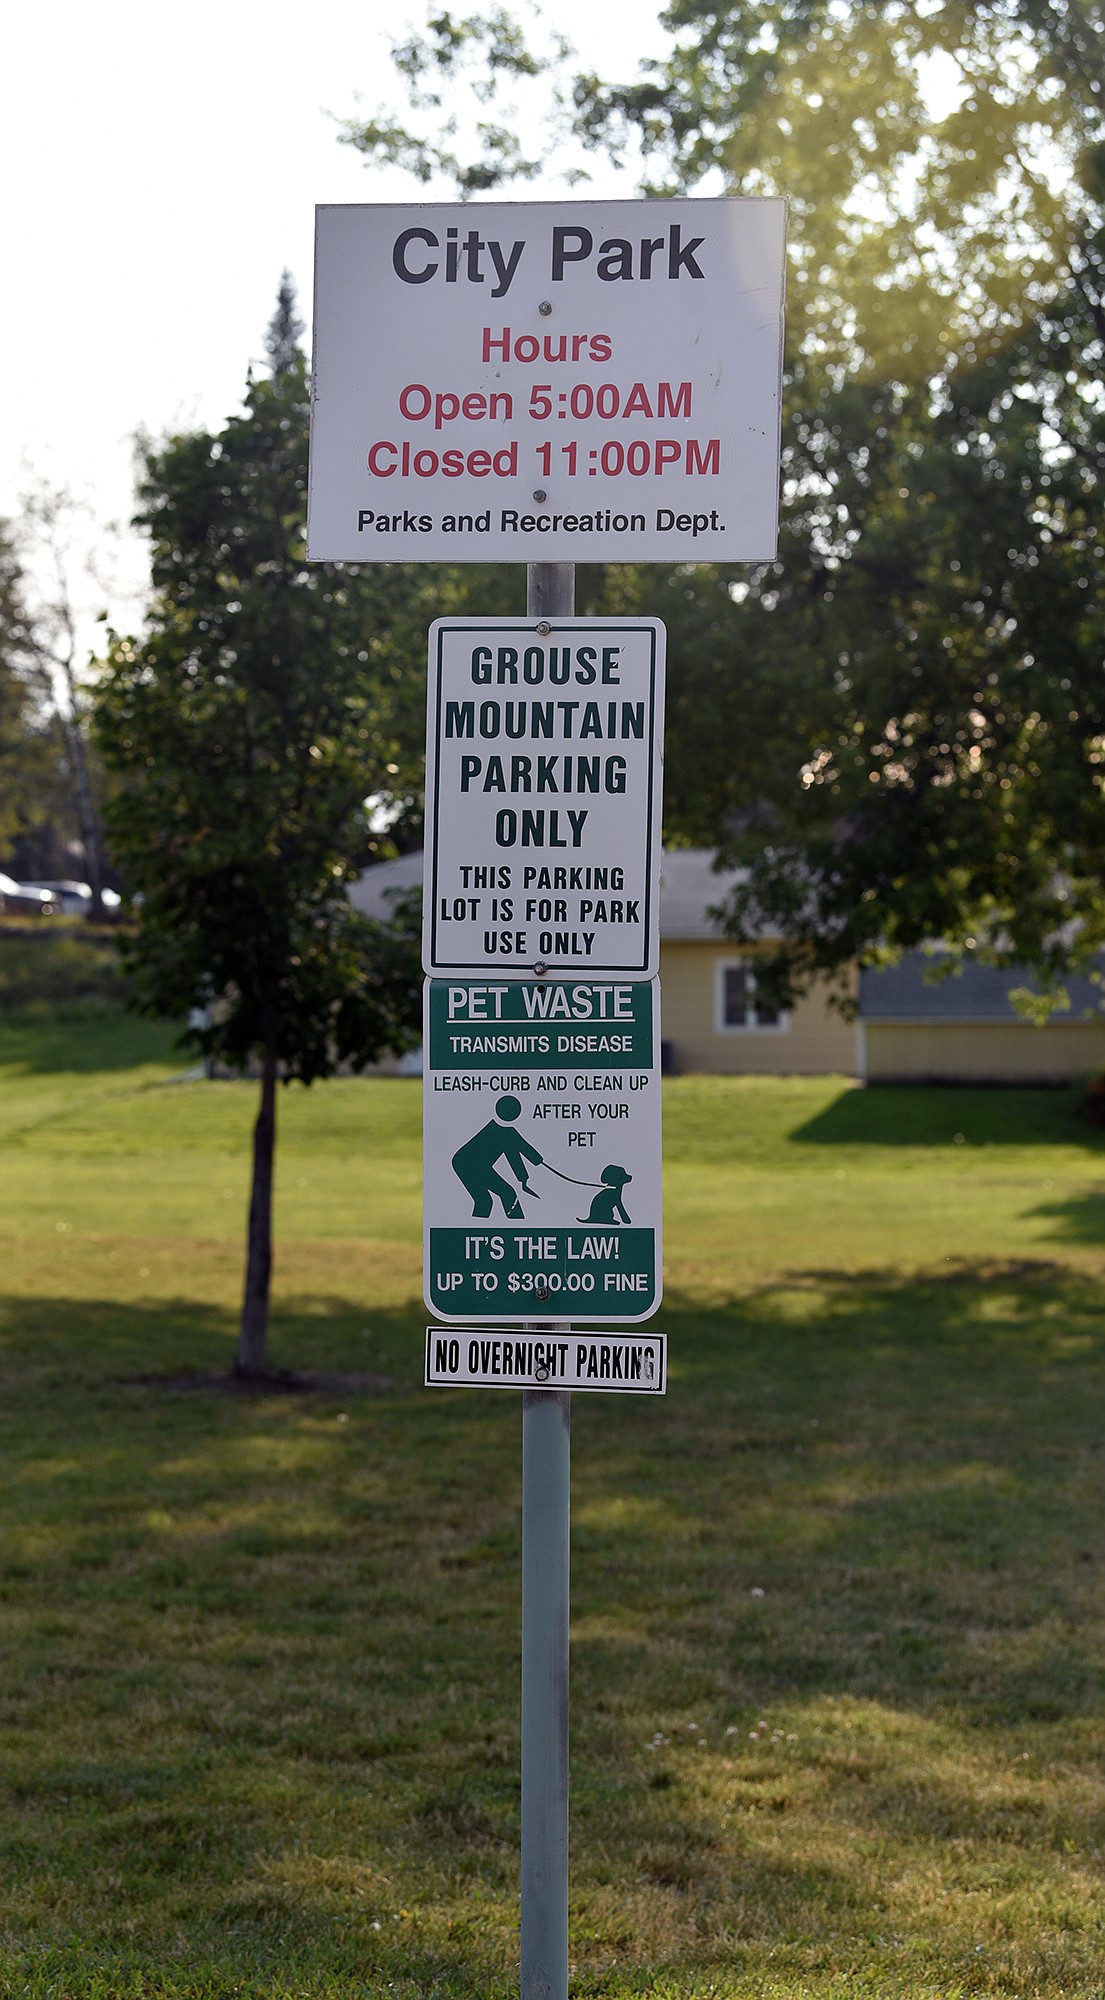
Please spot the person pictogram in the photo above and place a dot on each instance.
(475, 1162)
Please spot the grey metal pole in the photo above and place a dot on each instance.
(546, 1461)
(551, 590)
(546, 1468)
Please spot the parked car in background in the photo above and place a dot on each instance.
(74, 899)
(27, 899)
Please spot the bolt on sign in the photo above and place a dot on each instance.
(547, 381)
(553, 1357)
(544, 761)
(541, 1150)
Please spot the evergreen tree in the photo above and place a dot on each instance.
(248, 734)
(285, 331)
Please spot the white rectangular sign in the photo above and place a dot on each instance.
(547, 381)
(541, 1149)
(554, 1358)
(544, 757)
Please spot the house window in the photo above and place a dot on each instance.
(742, 1006)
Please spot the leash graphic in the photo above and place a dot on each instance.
(569, 1177)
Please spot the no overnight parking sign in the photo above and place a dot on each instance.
(541, 1148)
(547, 381)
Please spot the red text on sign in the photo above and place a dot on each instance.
(508, 346)
(416, 403)
(385, 459)
(584, 400)
(639, 457)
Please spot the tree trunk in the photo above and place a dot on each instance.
(251, 1358)
(87, 817)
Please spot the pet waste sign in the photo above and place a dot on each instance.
(574, 381)
(544, 760)
(542, 1150)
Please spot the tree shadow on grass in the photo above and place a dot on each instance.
(865, 1517)
(81, 1039)
(173, 1344)
(860, 1554)
(908, 1471)
(862, 1532)
(1076, 1219)
(950, 1115)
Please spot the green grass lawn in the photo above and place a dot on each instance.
(838, 1636)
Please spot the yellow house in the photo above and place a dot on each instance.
(713, 1019)
(909, 1028)
(966, 1029)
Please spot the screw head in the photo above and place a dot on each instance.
(545, 308)
(540, 494)
(540, 968)
(543, 627)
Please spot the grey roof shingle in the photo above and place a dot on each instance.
(373, 890)
(976, 993)
(689, 887)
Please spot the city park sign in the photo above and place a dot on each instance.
(547, 382)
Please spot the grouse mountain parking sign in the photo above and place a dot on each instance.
(544, 759)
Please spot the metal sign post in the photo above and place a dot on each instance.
(541, 383)
(546, 1509)
(546, 1466)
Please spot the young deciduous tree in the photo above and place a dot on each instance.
(934, 158)
(49, 517)
(246, 734)
(938, 159)
(482, 52)
(935, 645)
(28, 734)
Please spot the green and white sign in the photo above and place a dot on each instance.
(542, 1150)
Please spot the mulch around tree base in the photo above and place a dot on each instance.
(276, 1382)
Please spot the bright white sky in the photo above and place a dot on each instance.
(160, 167)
